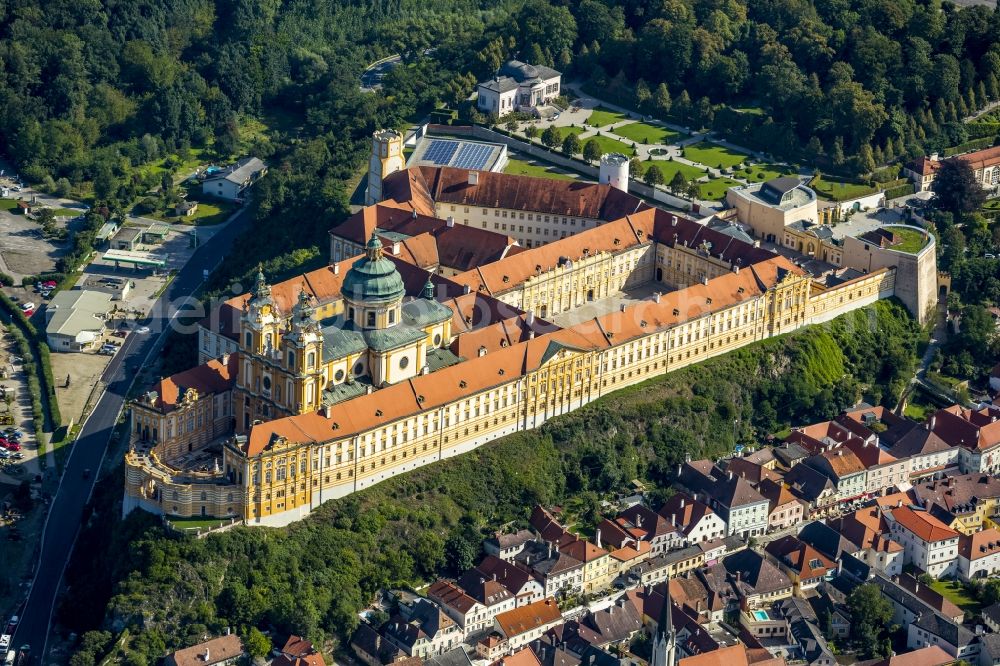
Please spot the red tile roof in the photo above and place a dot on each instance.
(923, 525)
(216, 376)
(980, 544)
(528, 617)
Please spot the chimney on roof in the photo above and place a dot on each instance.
(916, 588)
(208, 655)
(656, 297)
(597, 537)
(529, 318)
(704, 280)
(395, 249)
(473, 178)
(673, 220)
(466, 289)
(840, 565)
(730, 475)
(933, 422)
(683, 501)
(622, 307)
(336, 268)
(482, 351)
(451, 220)
(225, 359)
(736, 268)
(899, 503)
(531, 335)
(550, 549)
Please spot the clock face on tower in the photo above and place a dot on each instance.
(265, 310)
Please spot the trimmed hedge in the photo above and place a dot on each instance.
(976, 144)
(900, 191)
(982, 130)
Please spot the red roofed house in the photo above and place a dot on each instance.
(975, 432)
(165, 417)
(928, 544)
(979, 554)
(518, 627)
(696, 521)
(297, 651)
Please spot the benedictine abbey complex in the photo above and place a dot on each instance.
(460, 307)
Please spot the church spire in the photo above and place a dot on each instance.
(665, 640)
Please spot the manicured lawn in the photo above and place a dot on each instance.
(8, 204)
(601, 117)
(753, 110)
(669, 168)
(715, 189)
(838, 190)
(955, 593)
(532, 168)
(181, 168)
(646, 133)
(609, 145)
(913, 241)
(68, 212)
(196, 523)
(566, 131)
(759, 173)
(713, 155)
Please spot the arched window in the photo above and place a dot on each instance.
(311, 360)
(371, 319)
(249, 339)
(392, 316)
(291, 359)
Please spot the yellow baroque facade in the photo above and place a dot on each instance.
(324, 404)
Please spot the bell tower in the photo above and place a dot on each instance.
(261, 322)
(386, 158)
(304, 357)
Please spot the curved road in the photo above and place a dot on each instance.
(66, 510)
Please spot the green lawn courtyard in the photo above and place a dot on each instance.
(760, 173)
(956, 593)
(646, 133)
(670, 167)
(715, 189)
(520, 167)
(713, 155)
(566, 131)
(838, 190)
(602, 116)
(609, 145)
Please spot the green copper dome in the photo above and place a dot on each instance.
(373, 278)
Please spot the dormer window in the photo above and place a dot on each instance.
(392, 316)
(378, 412)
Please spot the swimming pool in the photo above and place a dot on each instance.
(761, 616)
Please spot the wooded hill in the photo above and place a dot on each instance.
(314, 576)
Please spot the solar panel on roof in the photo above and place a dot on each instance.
(440, 152)
(473, 156)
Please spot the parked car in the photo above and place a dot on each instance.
(29, 313)
(27, 306)
(142, 330)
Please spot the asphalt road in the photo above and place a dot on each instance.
(66, 510)
(371, 78)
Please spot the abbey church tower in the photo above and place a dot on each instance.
(386, 158)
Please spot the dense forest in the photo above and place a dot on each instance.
(313, 577)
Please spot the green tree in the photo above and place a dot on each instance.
(257, 644)
(653, 175)
(511, 125)
(550, 137)
(678, 183)
(571, 144)
(591, 150)
(955, 188)
(531, 131)
(661, 100)
(871, 617)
